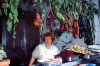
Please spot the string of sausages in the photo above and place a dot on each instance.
(66, 26)
(75, 28)
(50, 21)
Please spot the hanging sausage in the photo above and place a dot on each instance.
(67, 18)
(64, 27)
(68, 25)
(75, 26)
(50, 20)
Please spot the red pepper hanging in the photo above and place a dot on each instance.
(75, 28)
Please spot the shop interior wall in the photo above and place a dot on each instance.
(6, 39)
(77, 40)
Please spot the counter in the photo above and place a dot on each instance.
(72, 63)
(84, 59)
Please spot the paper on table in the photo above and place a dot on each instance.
(95, 50)
(94, 47)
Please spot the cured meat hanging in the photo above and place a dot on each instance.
(85, 30)
(75, 28)
(66, 26)
(67, 18)
(50, 20)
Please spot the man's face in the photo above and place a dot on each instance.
(38, 21)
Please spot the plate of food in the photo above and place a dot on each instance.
(81, 50)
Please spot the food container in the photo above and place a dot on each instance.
(45, 63)
(70, 59)
(94, 47)
(68, 56)
(92, 57)
(48, 64)
(82, 64)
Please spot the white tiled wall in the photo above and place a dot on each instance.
(80, 41)
(97, 27)
(77, 40)
(97, 24)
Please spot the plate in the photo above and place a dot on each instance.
(82, 64)
(96, 50)
(91, 53)
(40, 60)
(94, 47)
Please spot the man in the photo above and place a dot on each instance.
(27, 38)
(33, 35)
